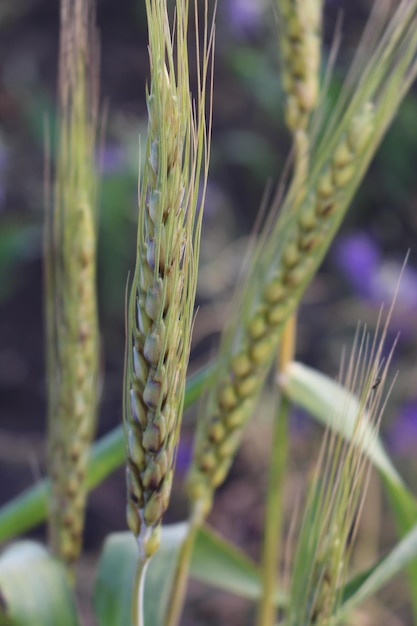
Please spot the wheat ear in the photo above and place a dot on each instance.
(236, 394)
(300, 28)
(300, 45)
(337, 492)
(71, 310)
(292, 251)
(160, 309)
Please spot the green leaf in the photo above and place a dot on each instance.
(113, 594)
(366, 584)
(219, 563)
(29, 508)
(404, 508)
(160, 574)
(214, 561)
(336, 408)
(34, 590)
(403, 505)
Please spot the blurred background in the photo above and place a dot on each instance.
(249, 151)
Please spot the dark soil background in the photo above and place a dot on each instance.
(250, 145)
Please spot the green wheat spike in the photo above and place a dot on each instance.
(291, 251)
(161, 303)
(337, 494)
(70, 269)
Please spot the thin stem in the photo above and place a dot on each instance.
(138, 587)
(274, 515)
(287, 346)
(177, 597)
(279, 452)
(301, 147)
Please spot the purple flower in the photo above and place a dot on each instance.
(111, 160)
(184, 455)
(377, 280)
(359, 259)
(3, 164)
(386, 283)
(245, 16)
(301, 424)
(402, 435)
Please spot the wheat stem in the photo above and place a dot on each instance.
(178, 591)
(274, 514)
(138, 593)
(300, 44)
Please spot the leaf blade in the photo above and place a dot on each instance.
(366, 584)
(214, 561)
(34, 588)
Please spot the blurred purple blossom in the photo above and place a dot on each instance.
(245, 16)
(375, 279)
(111, 160)
(301, 423)
(402, 435)
(359, 259)
(184, 455)
(3, 163)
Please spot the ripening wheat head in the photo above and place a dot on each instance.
(338, 490)
(300, 47)
(70, 269)
(300, 42)
(291, 251)
(160, 310)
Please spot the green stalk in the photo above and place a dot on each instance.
(273, 521)
(138, 589)
(275, 494)
(300, 42)
(29, 508)
(274, 515)
(176, 602)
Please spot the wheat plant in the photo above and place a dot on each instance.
(161, 304)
